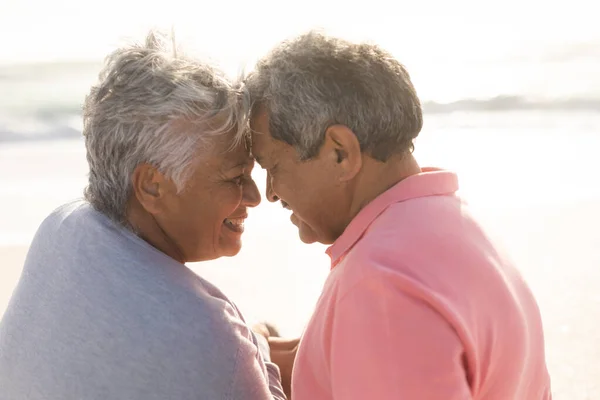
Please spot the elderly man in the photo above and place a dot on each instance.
(419, 303)
(106, 308)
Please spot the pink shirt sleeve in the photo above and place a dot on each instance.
(386, 344)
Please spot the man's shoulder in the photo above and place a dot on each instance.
(420, 226)
(423, 214)
(421, 241)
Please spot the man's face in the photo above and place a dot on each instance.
(308, 188)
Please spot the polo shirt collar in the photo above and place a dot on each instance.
(430, 182)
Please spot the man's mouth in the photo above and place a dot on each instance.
(285, 205)
(294, 219)
(235, 224)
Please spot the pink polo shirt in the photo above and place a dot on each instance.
(420, 305)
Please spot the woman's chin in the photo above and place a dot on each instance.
(230, 248)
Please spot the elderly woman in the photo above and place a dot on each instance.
(106, 308)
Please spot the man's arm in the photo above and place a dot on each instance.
(387, 344)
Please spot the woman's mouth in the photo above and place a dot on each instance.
(234, 224)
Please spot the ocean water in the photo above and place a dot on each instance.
(506, 160)
(528, 167)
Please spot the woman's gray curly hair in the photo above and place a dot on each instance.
(153, 105)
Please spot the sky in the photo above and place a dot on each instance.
(42, 29)
(444, 42)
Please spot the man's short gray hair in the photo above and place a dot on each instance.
(153, 106)
(314, 81)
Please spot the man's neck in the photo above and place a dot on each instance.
(377, 177)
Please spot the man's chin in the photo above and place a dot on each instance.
(307, 239)
(307, 235)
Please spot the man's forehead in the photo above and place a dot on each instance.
(262, 146)
(259, 122)
(259, 117)
(259, 143)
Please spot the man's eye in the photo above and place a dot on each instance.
(238, 180)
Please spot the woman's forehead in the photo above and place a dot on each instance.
(236, 157)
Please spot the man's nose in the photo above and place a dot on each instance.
(271, 196)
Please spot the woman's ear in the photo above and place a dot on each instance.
(149, 187)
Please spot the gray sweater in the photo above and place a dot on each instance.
(100, 314)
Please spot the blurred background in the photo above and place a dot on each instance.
(511, 93)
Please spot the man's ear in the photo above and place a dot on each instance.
(149, 187)
(343, 148)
